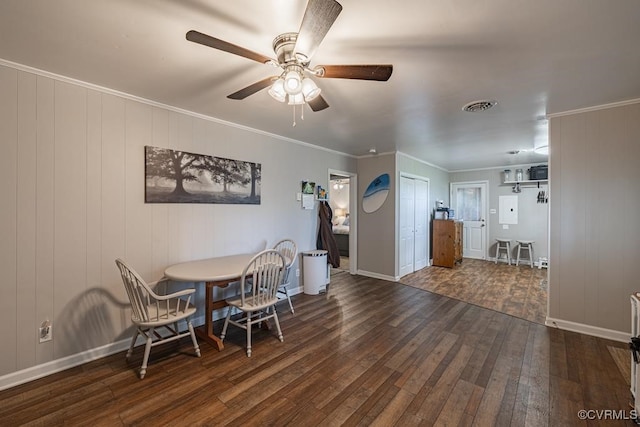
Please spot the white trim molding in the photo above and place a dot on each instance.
(422, 161)
(594, 108)
(108, 91)
(39, 371)
(378, 276)
(588, 330)
(45, 369)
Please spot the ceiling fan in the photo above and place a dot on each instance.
(293, 52)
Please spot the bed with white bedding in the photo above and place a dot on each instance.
(341, 234)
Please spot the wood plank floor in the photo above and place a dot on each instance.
(519, 291)
(369, 352)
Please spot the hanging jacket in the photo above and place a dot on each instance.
(326, 240)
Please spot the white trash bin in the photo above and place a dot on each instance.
(314, 268)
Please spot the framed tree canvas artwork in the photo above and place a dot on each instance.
(173, 176)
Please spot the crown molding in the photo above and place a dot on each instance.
(594, 108)
(152, 103)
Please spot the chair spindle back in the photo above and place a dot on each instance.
(266, 271)
(289, 250)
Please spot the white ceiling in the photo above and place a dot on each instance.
(535, 57)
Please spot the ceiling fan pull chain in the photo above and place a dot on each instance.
(294, 115)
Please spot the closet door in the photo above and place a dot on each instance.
(421, 225)
(414, 225)
(407, 208)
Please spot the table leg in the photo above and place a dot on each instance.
(210, 305)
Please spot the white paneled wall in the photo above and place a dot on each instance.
(72, 174)
(9, 303)
(26, 202)
(43, 292)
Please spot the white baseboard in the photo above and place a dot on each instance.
(34, 372)
(378, 276)
(588, 330)
(525, 263)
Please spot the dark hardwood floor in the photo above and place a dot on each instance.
(369, 352)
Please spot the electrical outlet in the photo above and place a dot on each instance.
(45, 332)
(297, 272)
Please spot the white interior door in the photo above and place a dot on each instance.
(469, 201)
(414, 225)
(407, 214)
(421, 222)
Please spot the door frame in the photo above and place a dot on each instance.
(353, 216)
(487, 230)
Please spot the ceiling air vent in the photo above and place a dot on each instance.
(476, 106)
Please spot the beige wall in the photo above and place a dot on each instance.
(595, 201)
(72, 173)
(533, 217)
(438, 178)
(376, 231)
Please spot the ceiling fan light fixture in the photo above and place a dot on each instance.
(309, 89)
(297, 99)
(277, 91)
(293, 82)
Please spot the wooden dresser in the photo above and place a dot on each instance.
(447, 242)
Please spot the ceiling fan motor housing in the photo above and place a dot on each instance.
(283, 46)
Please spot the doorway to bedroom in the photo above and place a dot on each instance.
(341, 186)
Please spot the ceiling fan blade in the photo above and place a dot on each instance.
(318, 18)
(203, 39)
(359, 72)
(318, 103)
(251, 89)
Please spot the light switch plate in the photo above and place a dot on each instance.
(505, 226)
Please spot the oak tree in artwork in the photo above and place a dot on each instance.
(228, 172)
(178, 166)
(256, 176)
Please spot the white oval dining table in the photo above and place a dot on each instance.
(213, 272)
